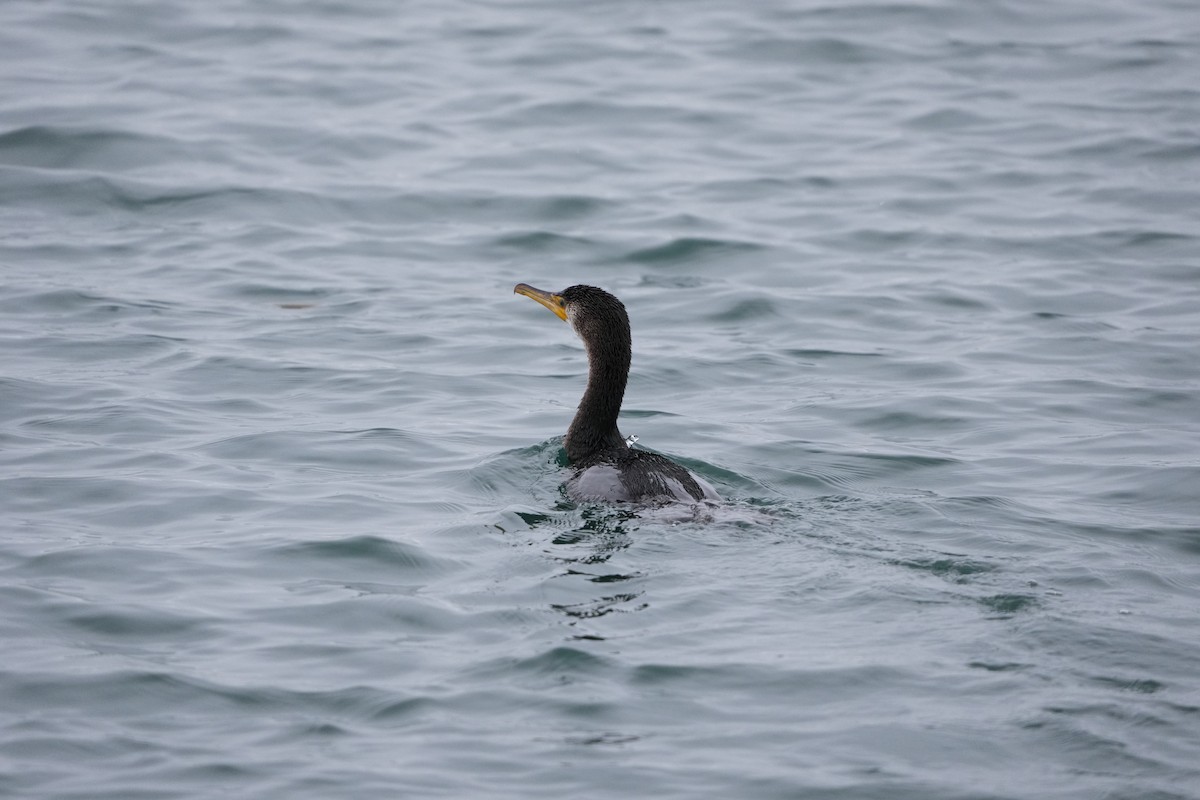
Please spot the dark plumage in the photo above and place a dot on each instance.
(606, 468)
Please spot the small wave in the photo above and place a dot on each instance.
(690, 249)
(383, 555)
(544, 241)
(818, 50)
(53, 147)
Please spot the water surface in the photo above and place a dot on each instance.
(914, 285)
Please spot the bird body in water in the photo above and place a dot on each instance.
(605, 467)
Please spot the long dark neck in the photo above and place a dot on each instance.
(595, 425)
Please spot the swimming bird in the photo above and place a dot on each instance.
(605, 467)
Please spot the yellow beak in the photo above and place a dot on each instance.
(550, 300)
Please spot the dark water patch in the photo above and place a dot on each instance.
(1074, 322)
(85, 195)
(998, 667)
(1007, 605)
(1173, 153)
(277, 293)
(912, 423)
(607, 738)
(746, 309)
(379, 554)
(958, 569)
(809, 51)
(404, 711)
(690, 250)
(544, 241)
(878, 241)
(948, 119)
(565, 207)
(815, 685)
(612, 578)
(136, 623)
(957, 300)
(562, 664)
(747, 189)
(671, 281)
(1139, 685)
(814, 355)
(56, 147)
(1140, 239)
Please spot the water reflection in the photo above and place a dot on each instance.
(592, 536)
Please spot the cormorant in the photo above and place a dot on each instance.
(606, 468)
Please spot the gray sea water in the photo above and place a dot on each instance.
(915, 285)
